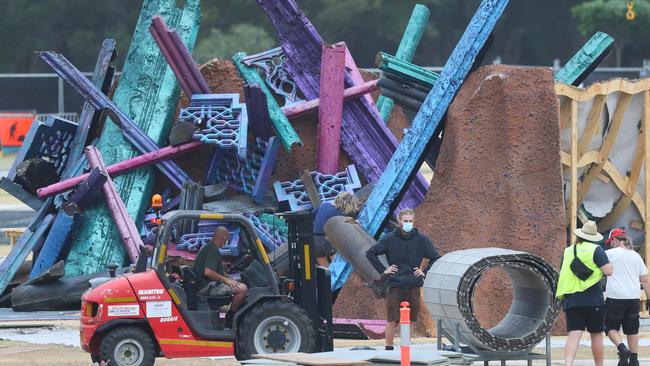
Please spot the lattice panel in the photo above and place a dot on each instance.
(50, 140)
(249, 176)
(603, 153)
(222, 119)
(270, 234)
(329, 186)
(193, 242)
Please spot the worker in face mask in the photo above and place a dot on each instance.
(405, 248)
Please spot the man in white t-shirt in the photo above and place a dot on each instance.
(623, 290)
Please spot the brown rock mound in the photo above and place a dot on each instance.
(498, 179)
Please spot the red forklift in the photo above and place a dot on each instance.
(134, 318)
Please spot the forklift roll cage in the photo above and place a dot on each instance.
(169, 219)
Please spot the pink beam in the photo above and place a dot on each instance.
(330, 112)
(122, 167)
(298, 109)
(357, 79)
(123, 222)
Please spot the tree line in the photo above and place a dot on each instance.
(530, 32)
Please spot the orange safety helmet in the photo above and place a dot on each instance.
(156, 202)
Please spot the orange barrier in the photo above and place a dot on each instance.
(14, 127)
(405, 333)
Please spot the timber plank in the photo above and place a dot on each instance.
(607, 146)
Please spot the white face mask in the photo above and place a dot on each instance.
(407, 227)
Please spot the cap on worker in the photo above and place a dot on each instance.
(616, 233)
(589, 232)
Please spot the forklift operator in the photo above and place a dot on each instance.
(213, 281)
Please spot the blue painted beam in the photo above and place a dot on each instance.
(263, 178)
(39, 224)
(103, 79)
(60, 234)
(405, 162)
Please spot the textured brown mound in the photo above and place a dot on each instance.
(498, 179)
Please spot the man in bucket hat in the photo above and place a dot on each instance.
(622, 290)
(583, 266)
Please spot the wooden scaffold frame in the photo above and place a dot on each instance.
(597, 162)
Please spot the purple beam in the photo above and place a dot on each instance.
(353, 92)
(257, 108)
(123, 222)
(365, 137)
(266, 169)
(189, 61)
(330, 111)
(131, 131)
(159, 26)
(85, 192)
(171, 62)
(122, 167)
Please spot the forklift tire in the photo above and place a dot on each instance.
(275, 327)
(128, 346)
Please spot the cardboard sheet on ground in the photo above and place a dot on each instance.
(313, 359)
(422, 356)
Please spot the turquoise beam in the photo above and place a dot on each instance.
(406, 51)
(406, 159)
(405, 70)
(148, 94)
(585, 60)
(283, 128)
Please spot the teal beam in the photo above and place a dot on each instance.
(405, 70)
(283, 128)
(585, 60)
(406, 160)
(148, 94)
(406, 50)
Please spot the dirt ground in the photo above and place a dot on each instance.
(21, 353)
(14, 353)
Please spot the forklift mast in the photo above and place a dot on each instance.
(312, 284)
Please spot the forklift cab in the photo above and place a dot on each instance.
(280, 314)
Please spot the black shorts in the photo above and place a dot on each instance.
(625, 313)
(322, 247)
(592, 318)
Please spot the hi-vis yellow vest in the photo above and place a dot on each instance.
(569, 283)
